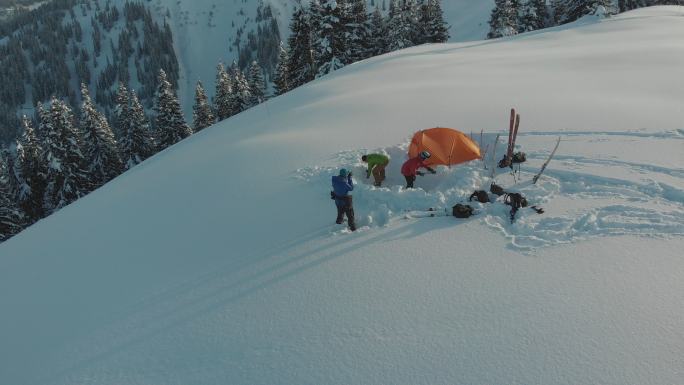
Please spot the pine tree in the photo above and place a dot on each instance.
(257, 84)
(170, 124)
(66, 175)
(223, 94)
(528, 17)
(378, 32)
(121, 112)
(433, 27)
(330, 45)
(281, 75)
(541, 12)
(29, 165)
(11, 219)
(101, 151)
(241, 95)
(579, 8)
(202, 117)
(301, 66)
(137, 144)
(504, 19)
(358, 35)
(628, 5)
(559, 8)
(403, 26)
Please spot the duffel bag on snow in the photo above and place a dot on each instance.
(462, 211)
(480, 195)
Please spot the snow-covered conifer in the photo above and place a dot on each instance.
(257, 84)
(170, 123)
(358, 35)
(301, 64)
(280, 78)
(578, 8)
(433, 27)
(11, 218)
(29, 164)
(121, 111)
(101, 150)
(330, 45)
(202, 117)
(503, 20)
(66, 174)
(403, 27)
(222, 96)
(378, 33)
(137, 144)
(241, 95)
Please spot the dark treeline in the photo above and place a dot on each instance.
(64, 155)
(328, 35)
(261, 44)
(47, 52)
(511, 17)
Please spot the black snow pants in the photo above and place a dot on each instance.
(345, 207)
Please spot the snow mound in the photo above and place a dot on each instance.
(585, 206)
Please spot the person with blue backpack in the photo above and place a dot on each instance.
(342, 184)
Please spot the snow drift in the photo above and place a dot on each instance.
(216, 261)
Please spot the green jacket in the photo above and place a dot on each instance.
(376, 160)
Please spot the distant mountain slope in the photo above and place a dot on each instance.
(204, 33)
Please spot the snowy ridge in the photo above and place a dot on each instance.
(217, 261)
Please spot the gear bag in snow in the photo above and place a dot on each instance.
(462, 211)
(480, 195)
(496, 189)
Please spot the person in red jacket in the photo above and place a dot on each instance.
(410, 168)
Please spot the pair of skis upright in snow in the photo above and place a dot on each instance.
(512, 136)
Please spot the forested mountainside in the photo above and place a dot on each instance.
(51, 50)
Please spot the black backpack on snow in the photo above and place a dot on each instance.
(462, 211)
(516, 201)
(496, 189)
(519, 157)
(480, 195)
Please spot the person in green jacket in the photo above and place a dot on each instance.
(376, 165)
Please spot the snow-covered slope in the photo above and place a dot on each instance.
(217, 262)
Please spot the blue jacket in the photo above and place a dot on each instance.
(342, 186)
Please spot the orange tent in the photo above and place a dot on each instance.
(447, 146)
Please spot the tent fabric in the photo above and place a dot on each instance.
(446, 145)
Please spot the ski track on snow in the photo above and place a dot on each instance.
(617, 206)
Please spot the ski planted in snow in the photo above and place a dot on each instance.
(430, 212)
(507, 160)
(536, 177)
(509, 148)
(496, 142)
(515, 136)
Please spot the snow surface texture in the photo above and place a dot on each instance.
(216, 261)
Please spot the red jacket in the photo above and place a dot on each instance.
(411, 166)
